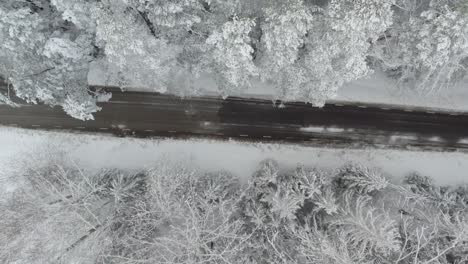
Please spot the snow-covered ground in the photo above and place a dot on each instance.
(375, 89)
(320, 129)
(379, 89)
(240, 158)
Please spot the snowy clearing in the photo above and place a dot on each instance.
(241, 159)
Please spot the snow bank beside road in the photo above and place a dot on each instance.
(375, 89)
(241, 159)
(378, 89)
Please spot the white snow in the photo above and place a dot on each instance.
(463, 141)
(376, 89)
(319, 129)
(312, 129)
(402, 137)
(435, 139)
(241, 159)
(120, 126)
(335, 129)
(63, 47)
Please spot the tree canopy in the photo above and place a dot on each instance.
(305, 50)
(177, 212)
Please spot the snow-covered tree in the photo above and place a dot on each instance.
(367, 229)
(176, 212)
(427, 48)
(45, 57)
(283, 35)
(328, 46)
(229, 55)
(169, 19)
(131, 45)
(358, 178)
(433, 222)
(303, 50)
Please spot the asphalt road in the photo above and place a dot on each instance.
(338, 125)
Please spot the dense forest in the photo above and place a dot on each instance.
(176, 212)
(304, 50)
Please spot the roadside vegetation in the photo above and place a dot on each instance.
(303, 50)
(176, 212)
